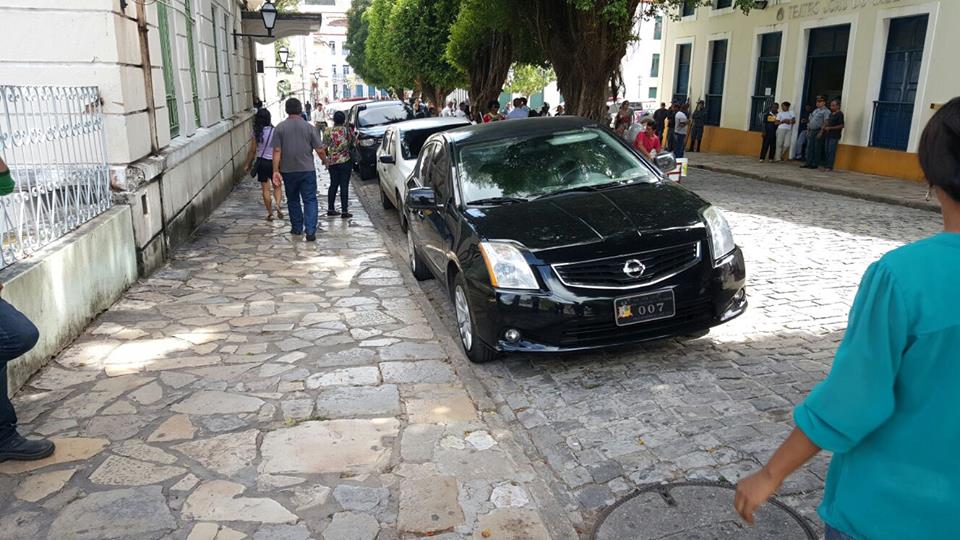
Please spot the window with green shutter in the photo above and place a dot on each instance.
(168, 72)
(188, 9)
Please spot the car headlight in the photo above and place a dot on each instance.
(368, 142)
(507, 267)
(721, 237)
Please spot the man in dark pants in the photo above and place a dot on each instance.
(815, 144)
(658, 117)
(698, 117)
(294, 142)
(769, 145)
(17, 336)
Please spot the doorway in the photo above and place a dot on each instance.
(893, 112)
(826, 62)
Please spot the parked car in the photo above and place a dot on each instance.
(398, 153)
(343, 105)
(553, 234)
(368, 121)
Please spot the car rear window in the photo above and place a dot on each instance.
(389, 114)
(413, 140)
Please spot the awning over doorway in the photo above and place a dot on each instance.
(288, 24)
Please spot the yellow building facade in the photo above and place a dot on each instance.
(890, 62)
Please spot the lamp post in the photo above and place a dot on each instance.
(268, 13)
(283, 54)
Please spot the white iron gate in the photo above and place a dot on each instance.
(52, 139)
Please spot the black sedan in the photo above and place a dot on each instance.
(552, 234)
(368, 121)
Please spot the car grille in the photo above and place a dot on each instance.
(593, 334)
(608, 273)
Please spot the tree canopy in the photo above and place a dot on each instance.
(435, 45)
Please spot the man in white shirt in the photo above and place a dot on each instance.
(680, 131)
(785, 121)
(450, 110)
(519, 111)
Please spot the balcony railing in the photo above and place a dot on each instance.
(52, 139)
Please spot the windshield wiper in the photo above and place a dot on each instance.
(499, 200)
(587, 188)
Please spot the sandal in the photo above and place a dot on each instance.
(279, 214)
(269, 217)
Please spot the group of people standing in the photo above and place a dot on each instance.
(818, 139)
(281, 159)
(517, 109)
(666, 129)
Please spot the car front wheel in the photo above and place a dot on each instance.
(417, 265)
(477, 351)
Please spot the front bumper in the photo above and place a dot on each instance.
(367, 156)
(569, 319)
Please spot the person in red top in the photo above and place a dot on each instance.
(647, 140)
(494, 114)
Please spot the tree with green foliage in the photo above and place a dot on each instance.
(528, 79)
(585, 42)
(358, 28)
(418, 36)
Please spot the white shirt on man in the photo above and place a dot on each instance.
(784, 117)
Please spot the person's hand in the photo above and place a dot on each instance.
(752, 492)
(277, 179)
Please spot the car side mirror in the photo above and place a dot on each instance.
(666, 162)
(388, 160)
(421, 198)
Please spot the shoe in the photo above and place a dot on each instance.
(333, 213)
(346, 215)
(311, 238)
(761, 161)
(279, 214)
(296, 233)
(22, 449)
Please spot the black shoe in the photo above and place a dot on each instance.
(333, 213)
(346, 215)
(311, 238)
(22, 449)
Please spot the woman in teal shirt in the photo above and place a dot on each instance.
(890, 408)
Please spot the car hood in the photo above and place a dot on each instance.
(373, 131)
(588, 217)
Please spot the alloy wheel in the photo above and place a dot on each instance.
(463, 317)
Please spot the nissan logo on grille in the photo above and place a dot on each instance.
(634, 268)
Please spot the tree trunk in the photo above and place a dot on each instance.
(585, 49)
(489, 72)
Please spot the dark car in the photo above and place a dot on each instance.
(368, 122)
(552, 234)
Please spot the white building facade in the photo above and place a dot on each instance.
(641, 65)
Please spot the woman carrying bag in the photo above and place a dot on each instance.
(260, 159)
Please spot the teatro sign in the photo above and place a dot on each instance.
(821, 8)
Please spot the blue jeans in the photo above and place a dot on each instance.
(17, 336)
(301, 188)
(830, 151)
(339, 180)
(679, 140)
(833, 534)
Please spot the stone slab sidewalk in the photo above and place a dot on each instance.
(869, 187)
(262, 387)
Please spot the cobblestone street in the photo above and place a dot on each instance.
(262, 387)
(598, 425)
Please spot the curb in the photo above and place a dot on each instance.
(855, 194)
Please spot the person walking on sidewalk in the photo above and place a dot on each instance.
(699, 118)
(260, 162)
(785, 121)
(768, 146)
(831, 131)
(294, 142)
(814, 142)
(889, 409)
(335, 155)
(17, 336)
(680, 131)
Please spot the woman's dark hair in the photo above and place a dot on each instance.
(260, 121)
(940, 149)
(339, 118)
(493, 104)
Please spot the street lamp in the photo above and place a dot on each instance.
(269, 15)
(283, 53)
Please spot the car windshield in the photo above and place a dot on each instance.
(412, 141)
(518, 169)
(387, 114)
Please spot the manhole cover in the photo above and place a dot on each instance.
(696, 511)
